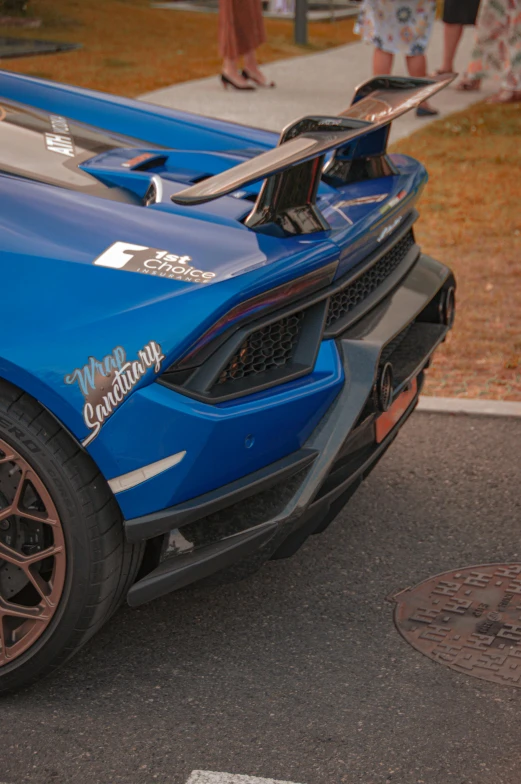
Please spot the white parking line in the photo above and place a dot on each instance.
(210, 777)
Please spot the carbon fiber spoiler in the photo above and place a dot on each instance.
(293, 169)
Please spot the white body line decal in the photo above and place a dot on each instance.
(105, 384)
(362, 200)
(133, 478)
(337, 209)
(152, 261)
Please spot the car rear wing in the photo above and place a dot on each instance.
(292, 170)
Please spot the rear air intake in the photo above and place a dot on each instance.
(268, 348)
(344, 301)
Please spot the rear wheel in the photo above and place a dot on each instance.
(64, 563)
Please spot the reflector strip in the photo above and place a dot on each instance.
(133, 478)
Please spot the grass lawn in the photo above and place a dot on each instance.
(130, 48)
(471, 216)
(471, 219)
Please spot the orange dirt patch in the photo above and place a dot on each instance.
(130, 48)
(471, 219)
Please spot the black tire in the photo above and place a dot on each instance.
(101, 565)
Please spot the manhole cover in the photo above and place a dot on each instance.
(468, 619)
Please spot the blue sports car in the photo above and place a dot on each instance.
(211, 336)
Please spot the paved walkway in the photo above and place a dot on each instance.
(313, 84)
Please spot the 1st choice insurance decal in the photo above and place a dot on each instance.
(152, 261)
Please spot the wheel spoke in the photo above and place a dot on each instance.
(15, 503)
(6, 512)
(49, 552)
(40, 586)
(19, 611)
(9, 555)
(37, 517)
(24, 561)
(15, 507)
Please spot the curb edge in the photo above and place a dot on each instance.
(460, 405)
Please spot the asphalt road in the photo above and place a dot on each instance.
(298, 673)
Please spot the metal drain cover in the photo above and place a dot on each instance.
(467, 619)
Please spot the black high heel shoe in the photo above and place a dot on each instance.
(227, 82)
(247, 75)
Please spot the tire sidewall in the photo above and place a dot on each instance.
(77, 591)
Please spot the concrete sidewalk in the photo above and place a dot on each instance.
(320, 83)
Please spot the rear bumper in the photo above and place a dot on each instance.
(271, 512)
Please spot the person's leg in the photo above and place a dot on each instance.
(228, 46)
(486, 55)
(251, 67)
(513, 53)
(510, 48)
(231, 71)
(417, 67)
(451, 37)
(250, 61)
(382, 62)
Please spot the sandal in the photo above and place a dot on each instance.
(439, 73)
(469, 85)
(247, 75)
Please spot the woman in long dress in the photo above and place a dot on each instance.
(399, 27)
(497, 49)
(241, 32)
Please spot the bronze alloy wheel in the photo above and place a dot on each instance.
(33, 558)
(65, 564)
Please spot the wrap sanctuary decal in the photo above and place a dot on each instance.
(60, 140)
(152, 261)
(105, 384)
